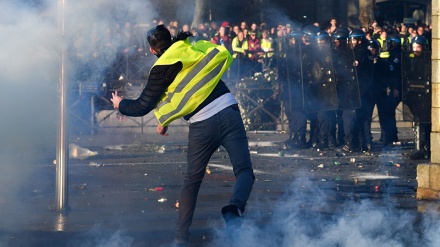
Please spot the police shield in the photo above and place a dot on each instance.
(417, 86)
(319, 83)
(346, 78)
(294, 84)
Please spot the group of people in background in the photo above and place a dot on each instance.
(376, 51)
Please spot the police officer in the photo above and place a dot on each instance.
(309, 35)
(418, 95)
(366, 60)
(325, 117)
(348, 89)
(292, 93)
(389, 90)
(340, 39)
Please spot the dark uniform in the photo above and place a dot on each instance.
(347, 88)
(309, 33)
(389, 90)
(320, 94)
(292, 94)
(417, 94)
(367, 61)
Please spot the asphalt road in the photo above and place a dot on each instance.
(126, 196)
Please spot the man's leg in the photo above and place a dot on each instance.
(202, 143)
(235, 141)
(349, 118)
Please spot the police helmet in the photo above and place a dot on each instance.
(322, 35)
(340, 33)
(373, 44)
(356, 34)
(419, 40)
(309, 32)
(393, 40)
(295, 34)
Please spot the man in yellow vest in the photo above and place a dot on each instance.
(186, 82)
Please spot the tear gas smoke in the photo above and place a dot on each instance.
(301, 218)
(30, 76)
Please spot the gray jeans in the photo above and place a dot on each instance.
(223, 129)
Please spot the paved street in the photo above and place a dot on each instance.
(126, 196)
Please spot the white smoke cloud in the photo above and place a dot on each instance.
(307, 216)
(31, 51)
(30, 62)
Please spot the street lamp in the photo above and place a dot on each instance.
(61, 150)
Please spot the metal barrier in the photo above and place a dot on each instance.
(260, 107)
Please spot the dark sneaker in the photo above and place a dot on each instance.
(234, 220)
(301, 145)
(294, 144)
(322, 146)
(368, 149)
(331, 146)
(232, 216)
(419, 155)
(289, 144)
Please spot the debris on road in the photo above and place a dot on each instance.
(82, 186)
(95, 164)
(77, 152)
(156, 189)
(162, 149)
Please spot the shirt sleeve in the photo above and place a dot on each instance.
(160, 77)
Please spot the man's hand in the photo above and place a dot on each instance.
(116, 99)
(161, 130)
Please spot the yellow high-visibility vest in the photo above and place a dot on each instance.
(203, 66)
(266, 45)
(383, 53)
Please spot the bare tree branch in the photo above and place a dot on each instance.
(366, 12)
(199, 7)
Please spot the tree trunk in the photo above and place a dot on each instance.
(199, 8)
(366, 12)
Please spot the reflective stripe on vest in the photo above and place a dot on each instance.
(191, 76)
(197, 87)
(384, 54)
(203, 66)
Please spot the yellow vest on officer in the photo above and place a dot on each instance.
(203, 66)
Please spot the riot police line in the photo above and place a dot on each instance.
(334, 81)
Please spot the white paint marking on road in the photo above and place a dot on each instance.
(284, 155)
(133, 164)
(262, 144)
(373, 176)
(229, 168)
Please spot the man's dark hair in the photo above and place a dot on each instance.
(159, 38)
